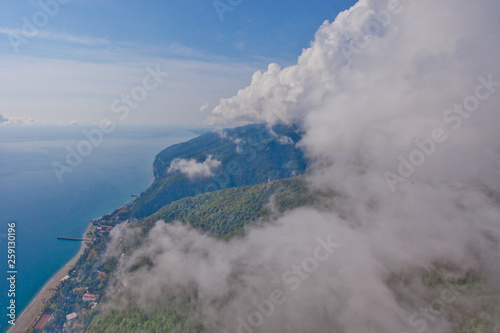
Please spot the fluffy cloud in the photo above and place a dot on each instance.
(376, 79)
(204, 107)
(371, 95)
(3, 119)
(194, 169)
(285, 140)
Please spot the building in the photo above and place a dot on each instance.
(101, 275)
(71, 316)
(107, 228)
(90, 298)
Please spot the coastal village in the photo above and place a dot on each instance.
(81, 290)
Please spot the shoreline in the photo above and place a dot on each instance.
(33, 310)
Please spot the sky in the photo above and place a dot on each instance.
(66, 62)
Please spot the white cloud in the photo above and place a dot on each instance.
(285, 140)
(204, 107)
(194, 169)
(394, 88)
(58, 36)
(10, 120)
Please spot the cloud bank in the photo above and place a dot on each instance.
(9, 120)
(194, 169)
(409, 89)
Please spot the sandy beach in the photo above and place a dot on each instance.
(35, 307)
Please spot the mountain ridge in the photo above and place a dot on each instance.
(248, 155)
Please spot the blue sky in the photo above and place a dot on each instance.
(87, 53)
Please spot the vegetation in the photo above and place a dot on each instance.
(249, 155)
(462, 298)
(174, 316)
(225, 213)
(257, 181)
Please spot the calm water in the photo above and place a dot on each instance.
(44, 207)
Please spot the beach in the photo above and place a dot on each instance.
(34, 309)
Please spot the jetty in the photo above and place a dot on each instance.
(75, 239)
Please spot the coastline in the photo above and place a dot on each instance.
(152, 142)
(34, 309)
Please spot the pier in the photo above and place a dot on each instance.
(75, 239)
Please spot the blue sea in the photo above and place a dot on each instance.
(45, 207)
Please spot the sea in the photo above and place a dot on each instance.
(44, 206)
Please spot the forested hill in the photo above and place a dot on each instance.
(225, 213)
(248, 155)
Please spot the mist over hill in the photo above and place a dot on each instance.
(396, 103)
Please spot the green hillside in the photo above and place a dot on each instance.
(249, 155)
(174, 316)
(225, 213)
